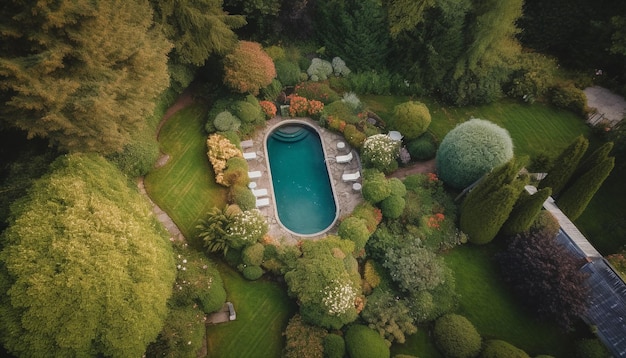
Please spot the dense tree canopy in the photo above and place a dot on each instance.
(248, 68)
(85, 268)
(84, 74)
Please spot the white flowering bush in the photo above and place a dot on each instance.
(319, 70)
(339, 67)
(353, 101)
(339, 297)
(246, 228)
(380, 152)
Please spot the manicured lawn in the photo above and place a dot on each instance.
(185, 187)
(263, 310)
(495, 312)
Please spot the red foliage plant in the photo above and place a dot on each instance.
(248, 68)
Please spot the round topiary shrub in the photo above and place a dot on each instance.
(248, 112)
(334, 346)
(393, 206)
(422, 148)
(495, 348)
(375, 188)
(354, 229)
(252, 272)
(363, 342)
(397, 187)
(411, 119)
(226, 121)
(456, 337)
(253, 254)
(242, 196)
(236, 172)
(471, 150)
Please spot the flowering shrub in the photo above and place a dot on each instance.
(319, 69)
(339, 296)
(339, 67)
(315, 108)
(246, 228)
(298, 106)
(380, 152)
(434, 221)
(317, 91)
(268, 108)
(220, 149)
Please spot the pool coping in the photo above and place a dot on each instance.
(269, 132)
(346, 197)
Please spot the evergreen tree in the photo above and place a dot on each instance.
(575, 199)
(354, 30)
(84, 74)
(86, 269)
(598, 156)
(525, 211)
(564, 166)
(487, 207)
(405, 15)
(428, 53)
(197, 29)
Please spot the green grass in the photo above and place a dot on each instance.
(495, 312)
(263, 310)
(185, 187)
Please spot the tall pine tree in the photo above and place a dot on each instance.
(575, 199)
(564, 166)
(84, 73)
(487, 207)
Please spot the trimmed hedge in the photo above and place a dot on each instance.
(252, 272)
(495, 348)
(456, 336)
(363, 342)
(334, 346)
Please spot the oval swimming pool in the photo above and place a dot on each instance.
(303, 193)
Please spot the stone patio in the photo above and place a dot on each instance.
(347, 197)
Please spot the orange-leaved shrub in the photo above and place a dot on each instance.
(248, 68)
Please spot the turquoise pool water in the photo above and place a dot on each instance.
(303, 193)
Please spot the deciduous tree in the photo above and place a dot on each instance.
(86, 268)
(248, 68)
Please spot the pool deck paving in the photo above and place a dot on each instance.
(347, 197)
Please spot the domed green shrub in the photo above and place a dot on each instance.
(226, 121)
(411, 119)
(287, 72)
(363, 342)
(334, 346)
(422, 148)
(353, 136)
(471, 150)
(375, 186)
(248, 112)
(242, 196)
(354, 229)
(397, 187)
(236, 172)
(456, 337)
(495, 348)
(393, 206)
(252, 272)
(253, 254)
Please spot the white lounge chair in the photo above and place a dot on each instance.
(344, 158)
(351, 176)
(246, 144)
(259, 192)
(249, 155)
(261, 202)
(255, 174)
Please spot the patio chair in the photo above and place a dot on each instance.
(344, 158)
(259, 192)
(262, 202)
(255, 174)
(351, 176)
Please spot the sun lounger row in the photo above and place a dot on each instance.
(262, 202)
(249, 155)
(351, 176)
(254, 174)
(344, 158)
